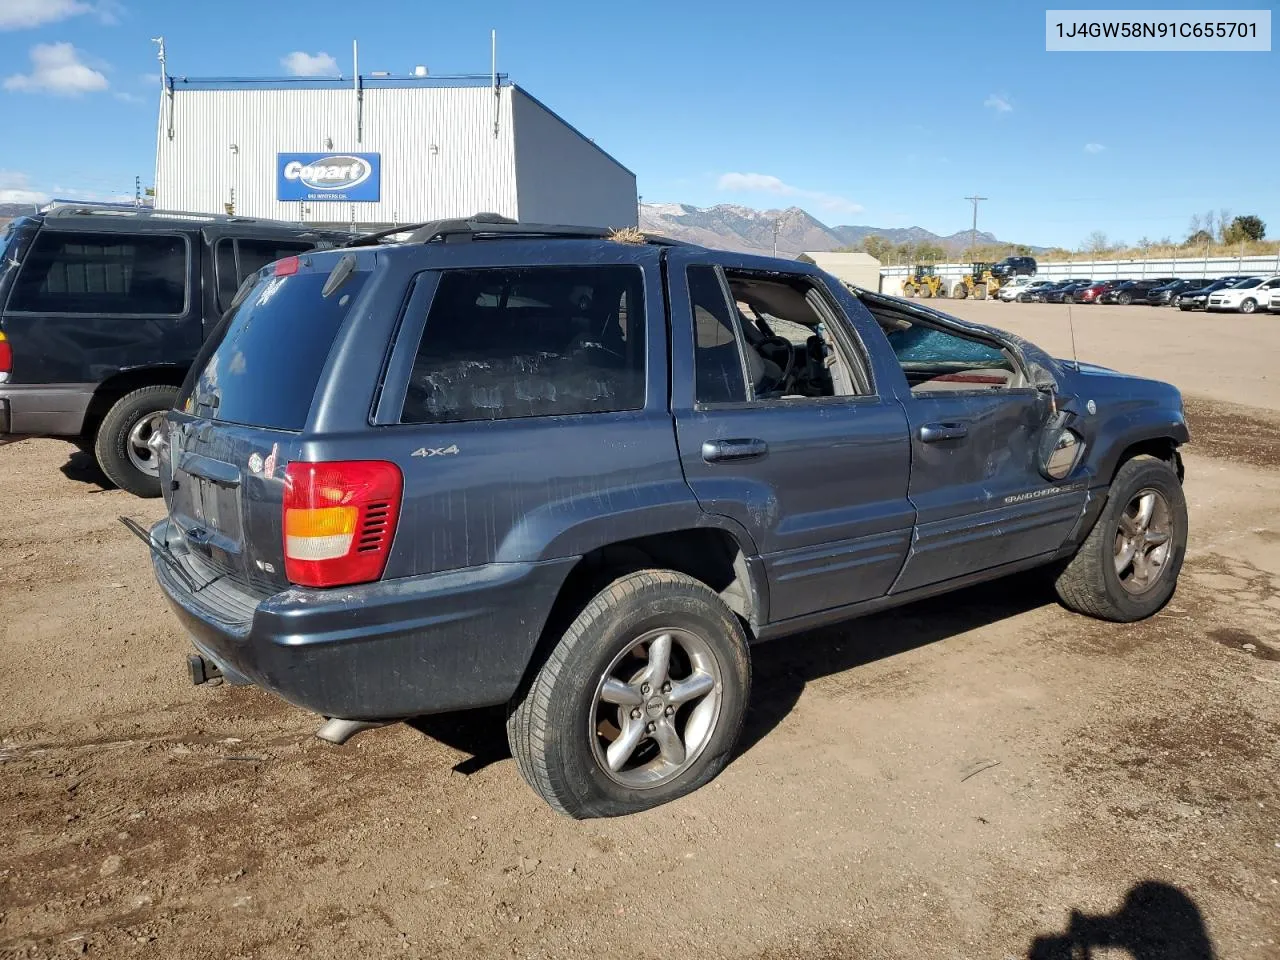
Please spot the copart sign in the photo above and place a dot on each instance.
(352, 177)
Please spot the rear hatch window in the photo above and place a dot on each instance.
(263, 364)
(14, 236)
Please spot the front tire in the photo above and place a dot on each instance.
(121, 446)
(1124, 299)
(640, 702)
(1249, 305)
(1127, 568)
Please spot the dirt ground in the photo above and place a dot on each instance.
(983, 775)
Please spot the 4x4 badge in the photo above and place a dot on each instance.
(449, 451)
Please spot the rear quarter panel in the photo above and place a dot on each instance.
(512, 490)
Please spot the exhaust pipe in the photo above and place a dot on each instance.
(339, 731)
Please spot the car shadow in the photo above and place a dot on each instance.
(83, 468)
(781, 668)
(1157, 921)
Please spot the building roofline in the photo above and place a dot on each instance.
(585, 139)
(367, 82)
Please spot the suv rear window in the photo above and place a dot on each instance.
(530, 342)
(263, 365)
(103, 273)
(237, 259)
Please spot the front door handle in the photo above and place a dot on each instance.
(720, 451)
(934, 432)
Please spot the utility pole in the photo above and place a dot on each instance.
(973, 234)
(776, 222)
(639, 207)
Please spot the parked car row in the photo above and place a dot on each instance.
(1237, 294)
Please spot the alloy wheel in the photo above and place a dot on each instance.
(138, 444)
(655, 708)
(1144, 538)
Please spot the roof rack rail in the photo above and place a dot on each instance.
(489, 226)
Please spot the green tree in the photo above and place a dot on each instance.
(1247, 227)
(878, 247)
(930, 253)
(1199, 238)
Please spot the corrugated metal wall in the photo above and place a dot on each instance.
(469, 171)
(564, 178)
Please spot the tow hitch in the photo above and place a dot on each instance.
(202, 670)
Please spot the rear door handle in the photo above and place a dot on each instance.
(934, 432)
(720, 451)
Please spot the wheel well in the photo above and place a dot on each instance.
(113, 388)
(710, 555)
(1162, 448)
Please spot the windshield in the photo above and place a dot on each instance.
(1246, 284)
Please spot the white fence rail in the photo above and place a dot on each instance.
(1193, 268)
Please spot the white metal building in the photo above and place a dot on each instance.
(377, 151)
(860, 269)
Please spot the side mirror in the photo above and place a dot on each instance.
(1042, 380)
(1060, 448)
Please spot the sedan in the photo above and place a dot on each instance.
(1031, 291)
(1093, 291)
(1134, 291)
(1069, 293)
(1245, 296)
(1167, 294)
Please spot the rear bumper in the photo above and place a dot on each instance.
(385, 650)
(44, 410)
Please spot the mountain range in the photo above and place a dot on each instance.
(731, 227)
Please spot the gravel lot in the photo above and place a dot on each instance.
(983, 775)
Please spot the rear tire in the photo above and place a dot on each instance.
(1098, 581)
(120, 445)
(1124, 299)
(564, 727)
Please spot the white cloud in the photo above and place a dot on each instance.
(765, 183)
(311, 65)
(999, 103)
(20, 14)
(128, 97)
(1093, 148)
(56, 69)
(151, 78)
(16, 188)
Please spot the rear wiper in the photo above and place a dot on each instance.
(165, 554)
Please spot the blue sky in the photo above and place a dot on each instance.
(875, 114)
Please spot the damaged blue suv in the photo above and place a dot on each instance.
(580, 473)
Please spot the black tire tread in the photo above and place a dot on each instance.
(529, 729)
(1077, 585)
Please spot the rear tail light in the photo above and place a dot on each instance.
(6, 357)
(339, 520)
(286, 267)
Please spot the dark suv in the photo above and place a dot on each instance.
(578, 474)
(1014, 267)
(101, 311)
